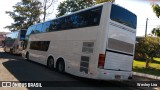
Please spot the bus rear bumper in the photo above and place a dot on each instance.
(114, 75)
(24, 54)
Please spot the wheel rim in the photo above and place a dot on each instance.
(61, 67)
(50, 63)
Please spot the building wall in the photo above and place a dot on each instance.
(2, 37)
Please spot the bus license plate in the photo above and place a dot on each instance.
(118, 77)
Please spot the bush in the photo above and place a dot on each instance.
(147, 48)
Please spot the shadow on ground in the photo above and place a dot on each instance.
(29, 71)
(4, 55)
(143, 60)
(147, 70)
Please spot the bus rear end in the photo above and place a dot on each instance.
(116, 62)
(21, 39)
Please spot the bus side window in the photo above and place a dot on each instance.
(38, 28)
(46, 26)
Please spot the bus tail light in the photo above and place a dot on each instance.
(101, 61)
(17, 46)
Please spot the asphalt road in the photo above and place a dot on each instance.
(15, 68)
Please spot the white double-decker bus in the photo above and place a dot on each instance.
(14, 41)
(96, 42)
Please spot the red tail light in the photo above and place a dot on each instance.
(17, 46)
(101, 60)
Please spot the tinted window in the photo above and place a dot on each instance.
(90, 17)
(31, 29)
(23, 34)
(39, 45)
(12, 35)
(38, 28)
(86, 18)
(10, 38)
(44, 45)
(45, 27)
(123, 16)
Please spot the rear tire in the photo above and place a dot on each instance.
(14, 51)
(27, 56)
(50, 63)
(11, 50)
(60, 66)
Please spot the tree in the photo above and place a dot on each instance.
(69, 6)
(46, 5)
(25, 13)
(156, 9)
(156, 31)
(101, 1)
(149, 47)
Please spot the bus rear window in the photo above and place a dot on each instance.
(123, 16)
(22, 34)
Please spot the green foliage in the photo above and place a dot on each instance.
(101, 1)
(139, 52)
(156, 9)
(69, 6)
(156, 31)
(149, 47)
(25, 13)
(152, 46)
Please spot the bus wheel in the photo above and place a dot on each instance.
(11, 50)
(50, 63)
(27, 56)
(14, 51)
(60, 66)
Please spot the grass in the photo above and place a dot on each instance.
(139, 66)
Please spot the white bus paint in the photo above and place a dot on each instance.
(98, 49)
(14, 41)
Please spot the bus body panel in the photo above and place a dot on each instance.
(118, 62)
(115, 58)
(63, 45)
(80, 48)
(111, 75)
(14, 42)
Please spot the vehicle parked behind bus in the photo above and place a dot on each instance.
(97, 42)
(13, 42)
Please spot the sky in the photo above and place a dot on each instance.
(142, 8)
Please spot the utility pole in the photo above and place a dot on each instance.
(146, 27)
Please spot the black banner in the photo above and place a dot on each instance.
(91, 83)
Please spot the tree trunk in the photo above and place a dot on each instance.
(148, 61)
(44, 12)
